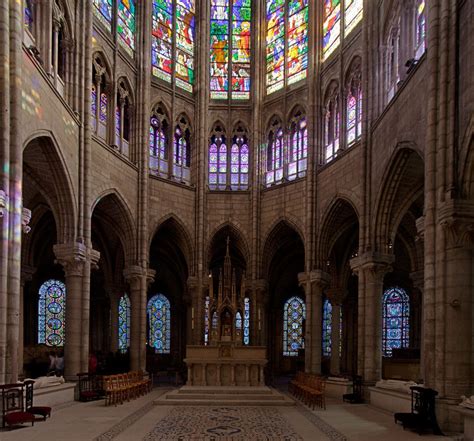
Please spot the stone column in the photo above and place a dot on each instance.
(260, 306)
(457, 326)
(313, 283)
(138, 280)
(72, 257)
(26, 276)
(196, 306)
(336, 297)
(371, 269)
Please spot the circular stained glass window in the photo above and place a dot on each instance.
(54, 324)
(54, 339)
(55, 308)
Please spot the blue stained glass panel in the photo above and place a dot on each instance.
(52, 313)
(159, 322)
(396, 320)
(124, 323)
(294, 313)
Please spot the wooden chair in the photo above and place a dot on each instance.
(88, 387)
(422, 416)
(44, 411)
(13, 410)
(357, 395)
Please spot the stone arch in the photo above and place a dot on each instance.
(281, 231)
(100, 55)
(116, 215)
(338, 217)
(239, 243)
(46, 169)
(402, 184)
(180, 232)
(128, 87)
(297, 108)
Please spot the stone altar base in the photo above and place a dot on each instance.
(224, 396)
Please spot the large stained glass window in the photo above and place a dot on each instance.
(126, 25)
(286, 42)
(28, 15)
(52, 313)
(327, 328)
(298, 152)
(246, 321)
(159, 322)
(331, 26)
(420, 29)
(185, 24)
(230, 49)
(353, 10)
(238, 321)
(396, 320)
(294, 314)
(103, 11)
(124, 323)
(162, 39)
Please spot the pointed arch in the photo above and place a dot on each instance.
(402, 183)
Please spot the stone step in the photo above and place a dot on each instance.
(223, 403)
(210, 396)
(225, 390)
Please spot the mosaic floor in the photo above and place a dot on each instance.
(212, 423)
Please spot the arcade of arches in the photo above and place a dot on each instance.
(327, 147)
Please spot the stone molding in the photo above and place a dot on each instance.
(72, 257)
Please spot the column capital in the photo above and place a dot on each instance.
(377, 264)
(3, 202)
(336, 295)
(260, 285)
(192, 282)
(72, 257)
(315, 277)
(25, 220)
(134, 273)
(27, 272)
(418, 279)
(457, 219)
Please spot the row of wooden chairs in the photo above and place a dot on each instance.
(124, 387)
(308, 388)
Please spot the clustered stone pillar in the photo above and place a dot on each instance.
(261, 308)
(371, 269)
(114, 306)
(195, 307)
(72, 257)
(138, 280)
(336, 297)
(313, 284)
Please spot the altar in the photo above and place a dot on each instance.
(225, 365)
(226, 358)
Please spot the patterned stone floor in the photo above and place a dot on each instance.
(212, 423)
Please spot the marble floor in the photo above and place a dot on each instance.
(141, 420)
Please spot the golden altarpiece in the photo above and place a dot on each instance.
(224, 359)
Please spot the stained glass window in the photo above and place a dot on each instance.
(52, 313)
(230, 48)
(124, 323)
(206, 321)
(331, 126)
(218, 162)
(238, 321)
(396, 320)
(126, 25)
(28, 17)
(181, 158)
(297, 158)
(94, 107)
(275, 156)
(420, 29)
(353, 10)
(327, 328)
(246, 321)
(286, 42)
(185, 25)
(103, 11)
(239, 163)
(354, 111)
(158, 146)
(159, 322)
(162, 39)
(331, 26)
(294, 313)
